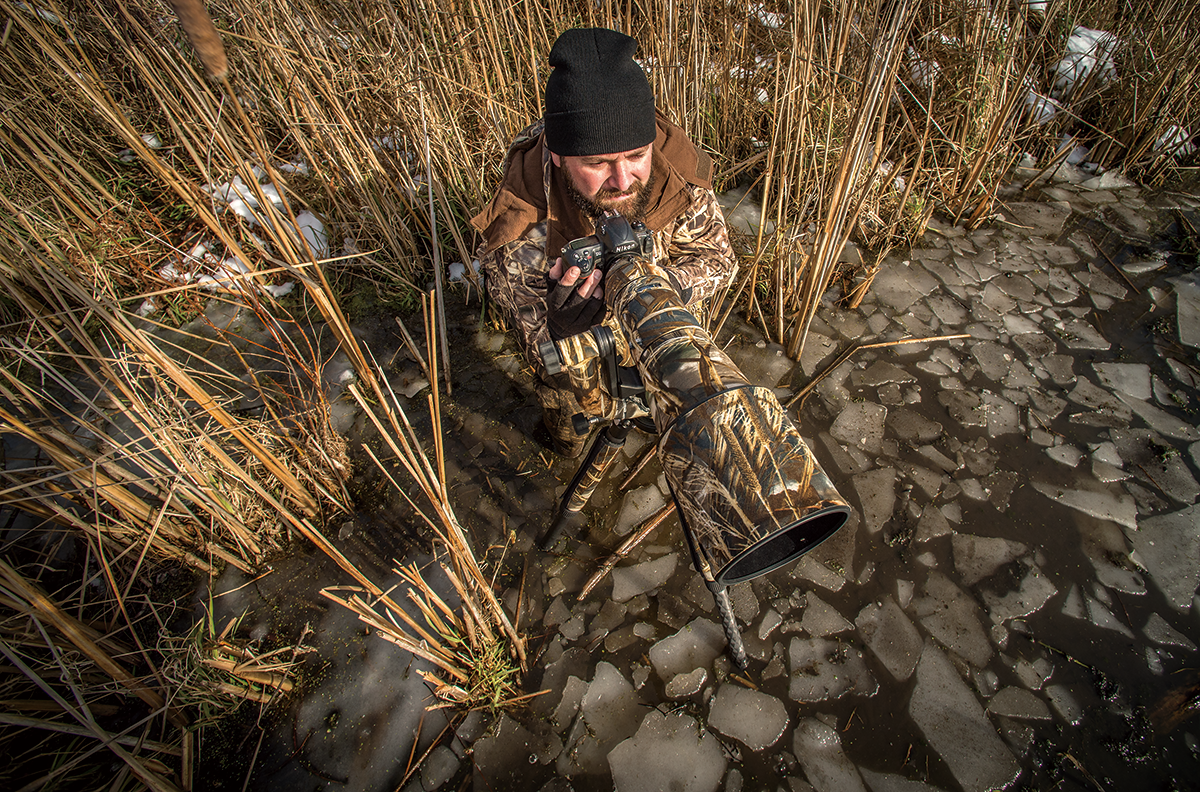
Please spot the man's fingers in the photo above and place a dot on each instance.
(590, 284)
(569, 277)
(556, 269)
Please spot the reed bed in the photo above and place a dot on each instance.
(850, 121)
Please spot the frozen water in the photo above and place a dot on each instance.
(1160, 420)
(955, 726)
(754, 718)
(1187, 309)
(1131, 379)
(1078, 334)
(890, 782)
(860, 425)
(1160, 632)
(826, 766)
(877, 494)
(669, 753)
(810, 569)
(994, 360)
(823, 669)
(912, 427)
(1067, 455)
(890, 636)
(978, 557)
(1168, 546)
(1014, 702)
(821, 619)
(1104, 504)
(895, 286)
(608, 714)
(881, 373)
(1032, 593)
(1103, 618)
(1002, 415)
(572, 695)
(438, 768)
(1065, 703)
(964, 406)
(952, 617)
(938, 459)
(685, 685)
(630, 581)
(931, 525)
(638, 506)
(696, 645)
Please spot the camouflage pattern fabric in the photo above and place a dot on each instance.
(695, 248)
(753, 494)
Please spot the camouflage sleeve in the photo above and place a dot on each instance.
(698, 252)
(516, 282)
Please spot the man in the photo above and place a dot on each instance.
(600, 146)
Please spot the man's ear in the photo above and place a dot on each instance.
(555, 159)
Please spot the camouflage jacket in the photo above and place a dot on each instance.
(690, 238)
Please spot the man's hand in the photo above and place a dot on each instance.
(572, 305)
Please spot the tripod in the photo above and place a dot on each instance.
(626, 387)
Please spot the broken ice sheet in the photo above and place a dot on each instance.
(1100, 501)
(877, 495)
(825, 764)
(821, 619)
(1168, 546)
(890, 636)
(754, 718)
(860, 425)
(696, 645)
(669, 753)
(630, 581)
(978, 557)
(951, 616)
(1034, 590)
(824, 669)
(956, 727)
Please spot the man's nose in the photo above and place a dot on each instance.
(620, 177)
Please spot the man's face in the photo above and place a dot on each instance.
(618, 182)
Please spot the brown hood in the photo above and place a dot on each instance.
(521, 202)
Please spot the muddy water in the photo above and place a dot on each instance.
(1031, 610)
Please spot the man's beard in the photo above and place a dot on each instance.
(603, 201)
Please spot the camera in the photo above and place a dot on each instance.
(615, 237)
(750, 493)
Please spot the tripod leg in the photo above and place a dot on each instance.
(737, 649)
(589, 475)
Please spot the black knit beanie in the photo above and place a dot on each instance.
(598, 100)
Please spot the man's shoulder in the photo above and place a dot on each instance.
(526, 138)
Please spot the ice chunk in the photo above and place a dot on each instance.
(756, 719)
(877, 494)
(669, 753)
(955, 726)
(893, 287)
(952, 617)
(890, 636)
(978, 557)
(890, 782)
(825, 764)
(860, 425)
(630, 581)
(1002, 415)
(608, 714)
(912, 427)
(505, 755)
(638, 506)
(696, 645)
(1029, 596)
(1160, 632)
(684, 685)
(812, 570)
(1168, 546)
(1104, 504)
(1187, 309)
(1014, 702)
(1103, 618)
(1065, 703)
(824, 670)
(439, 767)
(820, 618)
(1067, 455)
(994, 360)
(1131, 379)
(1160, 420)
